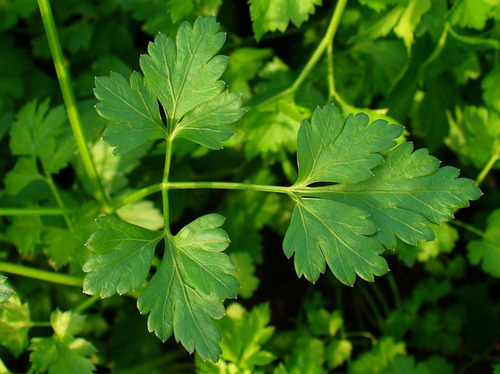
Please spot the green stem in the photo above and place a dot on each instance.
(315, 57)
(331, 76)
(89, 301)
(41, 324)
(58, 198)
(165, 186)
(362, 334)
(380, 297)
(44, 275)
(69, 100)
(487, 168)
(226, 186)
(325, 42)
(373, 305)
(467, 227)
(395, 291)
(137, 195)
(34, 211)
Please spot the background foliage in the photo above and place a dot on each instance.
(431, 65)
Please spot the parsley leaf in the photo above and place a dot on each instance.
(123, 255)
(243, 334)
(5, 291)
(184, 76)
(63, 353)
(366, 202)
(486, 251)
(44, 133)
(331, 149)
(133, 107)
(272, 15)
(474, 135)
(185, 293)
(15, 323)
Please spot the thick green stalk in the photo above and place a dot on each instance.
(44, 275)
(69, 100)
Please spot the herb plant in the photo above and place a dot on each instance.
(129, 199)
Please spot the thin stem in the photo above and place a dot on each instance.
(362, 334)
(320, 49)
(165, 186)
(373, 305)
(42, 211)
(226, 186)
(315, 57)
(58, 198)
(395, 290)
(41, 324)
(89, 301)
(69, 100)
(137, 195)
(331, 77)
(378, 294)
(44, 275)
(487, 168)
(467, 227)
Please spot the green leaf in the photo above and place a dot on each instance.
(62, 353)
(26, 233)
(244, 64)
(382, 4)
(123, 255)
(272, 15)
(142, 213)
(337, 352)
(5, 290)
(407, 365)
(487, 250)
(3, 368)
(444, 242)
(184, 75)
(331, 149)
(366, 202)
(24, 173)
(246, 274)
(410, 19)
(407, 191)
(299, 363)
(185, 293)
(491, 91)
(15, 323)
(474, 135)
(44, 133)
(472, 13)
(135, 109)
(113, 169)
(323, 230)
(243, 334)
(378, 358)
